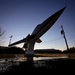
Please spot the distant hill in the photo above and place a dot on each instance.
(47, 51)
(18, 50)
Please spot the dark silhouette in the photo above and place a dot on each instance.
(11, 50)
(63, 33)
(47, 51)
(71, 50)
(2, 32)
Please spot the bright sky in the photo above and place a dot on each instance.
(19, 18)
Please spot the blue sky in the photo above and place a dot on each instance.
(19, 18)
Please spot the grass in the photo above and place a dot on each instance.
(44, 66)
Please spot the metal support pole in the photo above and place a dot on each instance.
(62, 32)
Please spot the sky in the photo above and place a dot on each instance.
(20, 17)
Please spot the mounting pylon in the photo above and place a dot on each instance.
(63, 33)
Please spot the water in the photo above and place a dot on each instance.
(45, 58)
(44, 61)
(6, 63)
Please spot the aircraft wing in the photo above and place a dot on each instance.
(25, 40)
(21, 41)
(18, 42)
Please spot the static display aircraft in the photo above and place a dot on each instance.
(40, 29)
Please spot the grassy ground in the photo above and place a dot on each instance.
(43, 66)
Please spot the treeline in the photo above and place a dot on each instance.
(47, 51)
(18, 50)
(11, 50)
(71, 50)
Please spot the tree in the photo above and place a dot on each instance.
(2, 32)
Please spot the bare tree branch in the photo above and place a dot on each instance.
(2, 32)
